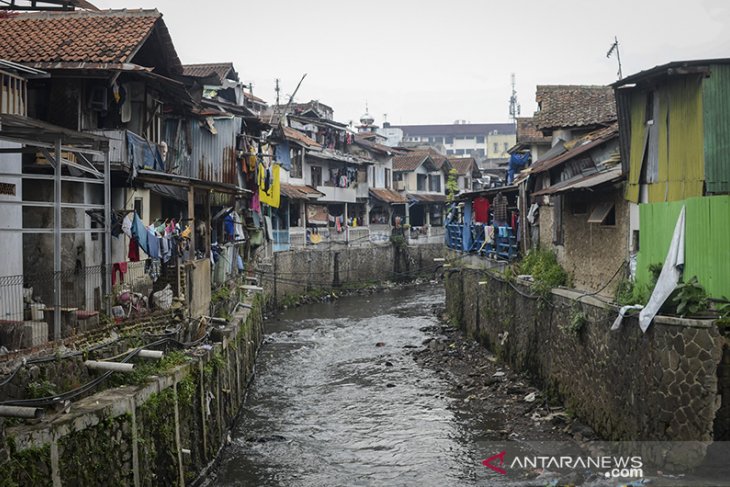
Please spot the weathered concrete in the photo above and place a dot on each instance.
(297, 272)
(165, 432)
(627, 385)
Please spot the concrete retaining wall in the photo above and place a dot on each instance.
(297, 272)
(666, 384)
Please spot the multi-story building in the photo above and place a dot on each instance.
(482, 141)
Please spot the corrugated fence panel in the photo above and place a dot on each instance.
(214, 155)
(638, 127)
(681, 145)
(707, 235)
(716, 112)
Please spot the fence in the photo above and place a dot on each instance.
(28, 302)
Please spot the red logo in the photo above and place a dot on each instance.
(499, 456)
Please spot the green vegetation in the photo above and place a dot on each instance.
(691, 298)
(578, 320)
(452, 186)
(544, 268)
(42, 388)
(145, 368)
(629, 292)
(26, 467)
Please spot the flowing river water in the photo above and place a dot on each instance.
(337, 400)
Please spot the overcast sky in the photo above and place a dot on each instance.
(431, 61)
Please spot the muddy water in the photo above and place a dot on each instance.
(338, 400)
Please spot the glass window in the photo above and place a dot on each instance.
(495, 147)
(421, 182)
(506, 146)
(480, 139)
(449, 140)
(480, 152)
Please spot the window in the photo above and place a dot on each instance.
(139, 207)
(603, 213)
(480, 152)
(480, 139)
(387, 177)
(449, 152)
(506, 147)
(495, 148)
(439, 140)
(296, 156)
(421, 182)
(449, 140)
(316, 176)
(434, 183)
(459, 152)
(398, 176)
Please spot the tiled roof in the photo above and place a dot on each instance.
(296, 136)
(464, 165)
(564, 106)
(371, 145)
(206, 70)
(252, 97)
(111, 36)
(388, 195)
(408, 162)
(527, 133)
(456, 129)
(427, 197)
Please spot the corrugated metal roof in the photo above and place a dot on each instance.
(214, 156)
(583, 182)
(580, 146)
(296, 136)
(673, 68)
(427, 197)
(299, 192)
(388, 195)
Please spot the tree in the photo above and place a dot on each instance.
(452, 186)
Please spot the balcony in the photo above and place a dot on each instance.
(333, 194)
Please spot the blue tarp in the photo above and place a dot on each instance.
(283, 155)
(517, 162)
(143, 154)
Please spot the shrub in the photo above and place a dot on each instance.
(543, 266)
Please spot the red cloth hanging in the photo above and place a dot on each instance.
(133, 254)
(481, 209)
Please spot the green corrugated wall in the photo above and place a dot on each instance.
(707, 240)
(716, 114)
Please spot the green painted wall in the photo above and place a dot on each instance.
(707, 239)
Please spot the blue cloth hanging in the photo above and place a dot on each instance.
(283, 155)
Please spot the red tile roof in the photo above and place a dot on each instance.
(111, 36)
(464, 165)
(207, 70)
(408, 162)
(527, 133)
(565, 106)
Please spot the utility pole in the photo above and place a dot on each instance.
(614, 47)
(277, 89)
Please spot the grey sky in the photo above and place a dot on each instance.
(437, 61)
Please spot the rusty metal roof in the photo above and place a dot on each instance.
(584, 182)
(388, 195)
(579, 146)
(293, 135)
(427, 197)
(299, 192)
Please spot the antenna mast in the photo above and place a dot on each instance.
(514, 107)
(614, 47)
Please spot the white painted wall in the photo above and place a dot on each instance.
(11, 216)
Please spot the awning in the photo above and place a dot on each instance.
(299, 192)
(583, 182)
(388, 196)
(427, 198)
(163, 178)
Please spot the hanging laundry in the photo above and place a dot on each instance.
(153, 244)
(269, 192)
(139, 232)
(481, 209)
(283, 155)
(133, 254)
(127, 224)
(256, 202)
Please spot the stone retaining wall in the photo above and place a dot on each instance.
(165, 432)
(665, 384)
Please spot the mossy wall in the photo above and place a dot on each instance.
(166, 431)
